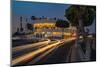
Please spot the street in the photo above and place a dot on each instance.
(51, 52)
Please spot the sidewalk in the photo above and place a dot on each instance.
(76, 54)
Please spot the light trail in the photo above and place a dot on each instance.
(43, 55)
(18, 48)
(69, 39)
(46, 53)
(31, 55)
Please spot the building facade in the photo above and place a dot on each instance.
(48, 29)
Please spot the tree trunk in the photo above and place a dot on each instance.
(81, 26)
(86, 41)
(77, 36)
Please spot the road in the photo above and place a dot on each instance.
(19, 48)
(59, 55)
(48, 52)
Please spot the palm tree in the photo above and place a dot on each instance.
(80, 16)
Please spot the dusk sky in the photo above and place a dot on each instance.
(39, 9)
(28, 9)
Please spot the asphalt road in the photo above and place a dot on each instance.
(57, 56)
(50, 54)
